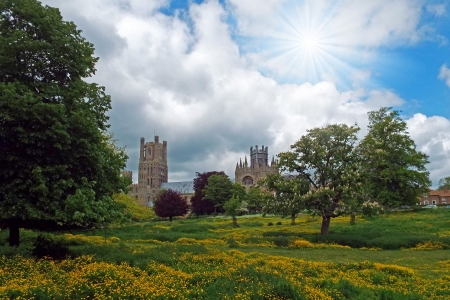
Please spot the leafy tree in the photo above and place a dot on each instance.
(237, 190)
(255, 199)
(219, 189)
(326, 158)
(200, 205)
(232, 208)
(170, 203)
(59, 164)
(444, 183)
(285, 197)
(394, 170)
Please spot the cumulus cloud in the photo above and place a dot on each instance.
(185, 78)
(444, 74)
(432, 136)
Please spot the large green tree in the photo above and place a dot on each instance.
(326, 158)
(394, 170)
(219, 189)
(59, 164)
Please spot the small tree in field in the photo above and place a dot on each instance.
(199, 204)
(170, 203)
(232, 208)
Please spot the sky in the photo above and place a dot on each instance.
(214, 78)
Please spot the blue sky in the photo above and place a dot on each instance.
(216, 77)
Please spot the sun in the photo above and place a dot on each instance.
(306, 46)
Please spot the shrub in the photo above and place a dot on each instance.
(279, 223)
(46, 246)
(281, 241)
(270, 224)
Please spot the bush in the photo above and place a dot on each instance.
(279, 223)
(281, 241)
(270, 224)
(46, 246)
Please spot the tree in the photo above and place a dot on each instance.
(394, 170)
(444, 183)
(200, 205)
(219, 189)
(255, 199)
(170, 203)
(59, 164)
(285, 197)
(232, 208)
(326, 158)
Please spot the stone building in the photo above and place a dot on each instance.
(248, 174)
(152, 172)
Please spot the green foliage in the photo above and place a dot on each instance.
(278, 223)
(284, 194)
(325, 158)
(393, 169)
(281, 241)
(136, 211)
(232, 208)
(46, 246)
(59, 164)
(219, 189)
(255, 199)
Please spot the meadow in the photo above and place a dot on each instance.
(400, 255)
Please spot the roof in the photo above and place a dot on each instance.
(183, 187)
(440, 193)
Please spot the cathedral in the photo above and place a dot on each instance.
(249, 174)
(153, 172)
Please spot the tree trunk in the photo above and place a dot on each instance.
(292, 219)
(170, 218)
(353, 218)
(14, 233)
(235, 224)
(325, 225)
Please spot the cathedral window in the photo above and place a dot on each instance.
(247, 180)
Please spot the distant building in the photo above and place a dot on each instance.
(185, 188)
(436, 197)
(152, 173)
(249, 174)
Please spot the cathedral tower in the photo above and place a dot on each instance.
(248, 174)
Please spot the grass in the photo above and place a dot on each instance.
(401, 255)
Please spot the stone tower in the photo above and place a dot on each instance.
(248, 174)
(153, 171)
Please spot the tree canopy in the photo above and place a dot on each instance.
(326, 158)
(169, 204)
(394, 170)
(200, 205)
(219, 189)
(59, 163)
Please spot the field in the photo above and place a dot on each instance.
(401, 255)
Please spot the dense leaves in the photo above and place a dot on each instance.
(170, 203)
(200, 205)
(58, 162)
(326, 158)
(395, 171)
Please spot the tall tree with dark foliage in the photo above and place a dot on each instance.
(59, 165)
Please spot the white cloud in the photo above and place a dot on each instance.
(432, 136)
(444, 74)
(185, 78)
(437, 9)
